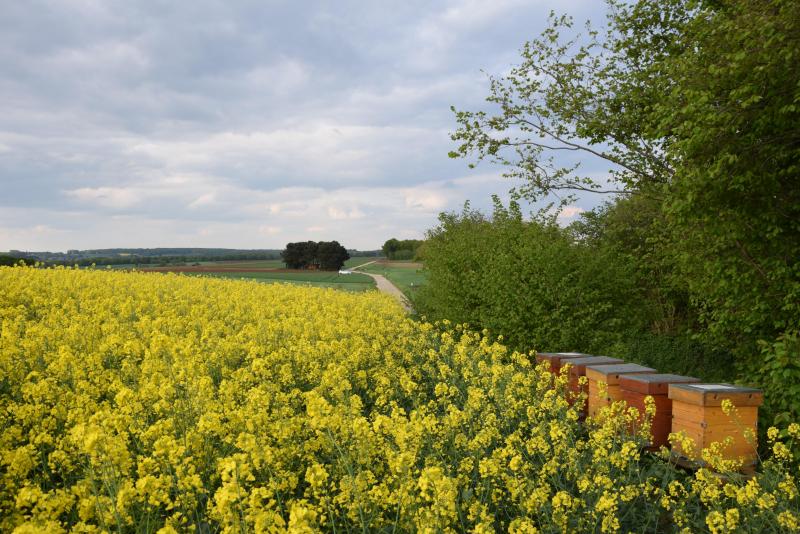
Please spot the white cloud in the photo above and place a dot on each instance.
(422, 199)
(221, 125)
(269, 230)
(280, 78)
(205, 199)
(107, 197)
(568, 213)
(337, 213)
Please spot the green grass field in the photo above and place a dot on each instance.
(358, 260)
(245, 264)
(407, 276)
(348, 282)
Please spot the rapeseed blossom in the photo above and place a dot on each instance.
(139, 402)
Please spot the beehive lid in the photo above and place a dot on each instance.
(653, 384)
(579, 364)
(610, 374)
(556, 357)
(714, 394)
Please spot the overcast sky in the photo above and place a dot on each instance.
(245, 124)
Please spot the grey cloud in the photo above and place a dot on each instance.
(109, 105)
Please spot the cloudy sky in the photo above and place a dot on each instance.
(245, 124)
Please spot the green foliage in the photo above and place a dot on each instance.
(694, 107)
(331, 255)
(679, 354)
(777, 372)
(406, 249)
(11, 260)
(734, 205)
(633, 230)
(325, 255)
(529, 281)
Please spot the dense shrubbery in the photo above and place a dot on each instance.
(132, 402)
(590, 288)
(529, 282)
(693, 107)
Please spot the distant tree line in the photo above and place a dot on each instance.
(323, 255)
(12, 260)
(405, 249)
(156, 260)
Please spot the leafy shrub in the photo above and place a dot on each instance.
(530, 282)
(777, 372)
(680, 354)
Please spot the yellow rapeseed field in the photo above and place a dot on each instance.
(134, 402)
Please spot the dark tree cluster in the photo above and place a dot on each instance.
(405, 249)
(11, 260)
(323, 255)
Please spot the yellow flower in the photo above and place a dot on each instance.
(727, 407)
(788, 521)
(772, 433)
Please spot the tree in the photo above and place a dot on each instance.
(326, 255)
(331, 255)
(300, 255)
(11, 260)
(405, 249)
(692, 104)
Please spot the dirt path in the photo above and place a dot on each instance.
(389, 288)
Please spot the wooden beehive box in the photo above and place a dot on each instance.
(636, 387)
(578, 369)
(697, 411)
(555, 359)
(610, 375)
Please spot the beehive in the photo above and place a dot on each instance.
(697, 411)
(610, 375)
(578, 369)
(555, 359)
(636, 387)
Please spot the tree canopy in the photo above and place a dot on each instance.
(695, 105)
(325, 255)
(405, 249)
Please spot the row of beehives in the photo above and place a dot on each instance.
(683, 404)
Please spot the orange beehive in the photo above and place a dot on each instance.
(636, 387)
(697, 411)
(610, 375)
(578, 369)
(555, 359)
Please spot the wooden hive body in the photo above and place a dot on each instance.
(697, 411)
(636, 387)
(578, 369)
(555, 359)
(610, 376)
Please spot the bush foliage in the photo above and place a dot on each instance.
(694, 109)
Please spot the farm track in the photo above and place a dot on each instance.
(385, 286)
